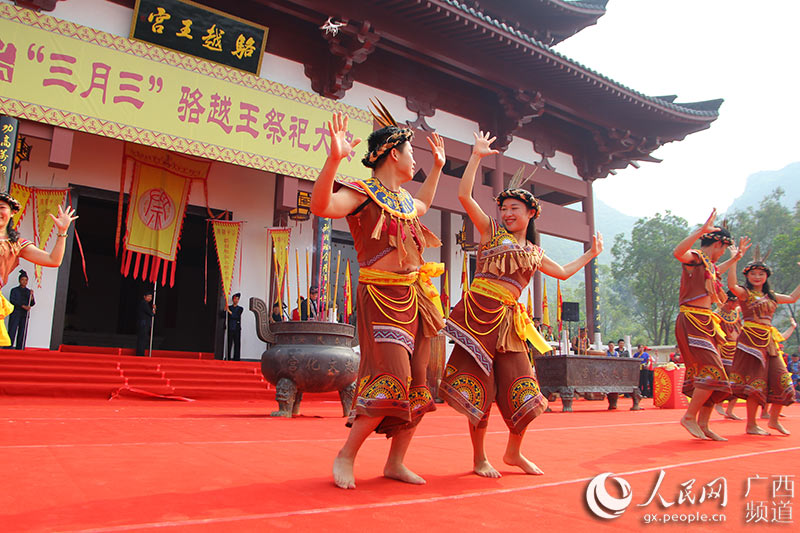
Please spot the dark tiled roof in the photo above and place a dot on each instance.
(709, 108)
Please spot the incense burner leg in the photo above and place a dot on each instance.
(285, 392)
(612, 400)
(637, 397)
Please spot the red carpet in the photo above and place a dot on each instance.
(123, 465)
(84, 374)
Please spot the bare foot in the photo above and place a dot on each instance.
(522, 462)
(401, 473)
(731, 416)
(343, 473)
(711, 435)
(755, 430)
(691, 426)
(764, 415)
(718, 408)
(485, 469)
(779, 427)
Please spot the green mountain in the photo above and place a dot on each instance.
(763, 183)
(608, 221)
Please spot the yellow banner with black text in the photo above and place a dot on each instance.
(60, 73)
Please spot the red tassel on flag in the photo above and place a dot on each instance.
(145, 267)
(165, 273)
(136, 266)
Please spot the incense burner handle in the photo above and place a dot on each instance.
(259, 308)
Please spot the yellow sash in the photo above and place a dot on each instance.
(6, 308)
(522, 322)
(772, 330)
(372, 276)
(714, 319)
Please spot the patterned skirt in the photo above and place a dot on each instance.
(697, 341)
(395, 326)
(478, 374)
(758, 369)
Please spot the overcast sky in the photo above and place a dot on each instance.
(743, 51)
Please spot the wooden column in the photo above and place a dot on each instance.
(590, 269)
(447, 245)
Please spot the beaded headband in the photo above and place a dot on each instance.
(718, 236)
(398, 136)
(516, 191)
(758, 262)
(11, 201)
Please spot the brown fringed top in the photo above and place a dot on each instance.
(699, 279)
(503, 258)
(758, 307)
(385, 222)
(9, 257)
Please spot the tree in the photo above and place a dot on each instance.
(774, 228)
(645, 263)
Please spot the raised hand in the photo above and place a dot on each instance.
(340, 147)
(437, 149)
(597, 244)
(482, 146)
(737, 252)
(64, 218)
(709, 226)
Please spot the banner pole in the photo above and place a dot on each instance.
(153, 319)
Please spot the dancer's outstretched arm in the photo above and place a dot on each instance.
(682, 251)
(53, 259)
(481, 149)
(325, 202)
(551, 268)
(426, 193)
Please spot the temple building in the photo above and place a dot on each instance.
(86, 78)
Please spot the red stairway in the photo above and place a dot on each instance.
(91, 372)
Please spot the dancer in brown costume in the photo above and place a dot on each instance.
(759, 373)
(397, 303)
(697, 328)
(731, 323)
(489, 326)
(12, 247)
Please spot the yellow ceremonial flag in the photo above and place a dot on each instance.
(348, 293)
(22, 194)
(530, 302)
(280, 254)
(545, 309)
(464, 275)
(226, 239)
(155, 214)
(46, 202)
(558, 308)
(446, 294)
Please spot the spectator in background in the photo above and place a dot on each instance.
(794, 368)
(621, 351)
(235, 328)
(308, 307)
(277, 316)
(645, 371)
(611, 351)
(144, 322)
(22, 299)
